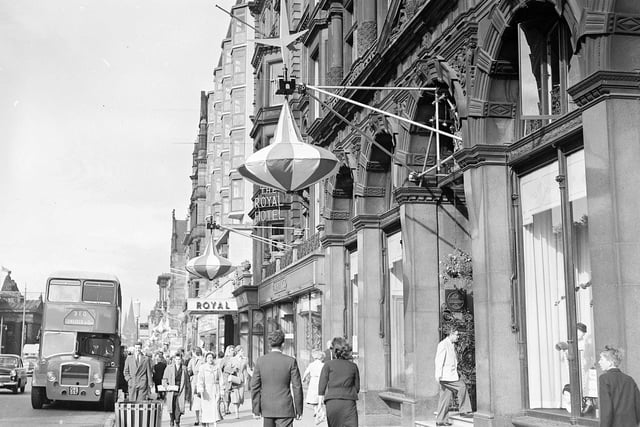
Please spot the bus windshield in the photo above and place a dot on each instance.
(64, 290)
(100, 292)
(58, 343)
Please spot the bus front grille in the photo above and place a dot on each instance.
(73, 374)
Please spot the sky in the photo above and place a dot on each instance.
(99, 109)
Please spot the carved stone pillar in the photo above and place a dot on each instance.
(367, 28)
(336, 44)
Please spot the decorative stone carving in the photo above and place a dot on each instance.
(603, 83)
(367, 191)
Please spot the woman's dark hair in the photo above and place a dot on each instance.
(341, 348)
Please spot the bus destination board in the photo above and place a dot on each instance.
(79, 318)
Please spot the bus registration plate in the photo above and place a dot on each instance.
(73, 391)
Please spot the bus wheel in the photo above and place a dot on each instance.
(108, 400)
(38, 396)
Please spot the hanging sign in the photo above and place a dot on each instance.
(267, 206)
(211, 305)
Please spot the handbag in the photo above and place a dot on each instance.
(222, 408)
(320, 415)
(234, 379)
(235, 396)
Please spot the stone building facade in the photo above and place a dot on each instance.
(532, 175)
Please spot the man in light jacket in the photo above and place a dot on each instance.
(446, 374)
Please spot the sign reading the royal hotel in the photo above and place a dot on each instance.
(267, 206)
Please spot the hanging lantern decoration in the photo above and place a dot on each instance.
(209, 265)
(289, 164)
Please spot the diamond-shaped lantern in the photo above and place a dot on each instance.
(289, 164)
(209, 265)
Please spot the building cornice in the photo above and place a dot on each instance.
(332, 240)
(365, 221)
(417, 195)
(540, 140)
(481, 155)
(607, 84)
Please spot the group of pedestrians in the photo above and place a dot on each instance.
(211, 385)
(276, 385)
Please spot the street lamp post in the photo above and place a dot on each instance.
(136, 313)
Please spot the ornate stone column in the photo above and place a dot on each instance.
(336, 44)
(367, 27)
(371, 359)
(498, 376)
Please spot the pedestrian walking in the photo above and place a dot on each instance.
(619, 395)
(227, 369)
(312, 376)
(193, 368)
(209, 389)
(446, 373)
(158, 372)
(276, 387)
(239, 363)
(339, 385)
(176, 382)
(137, 373)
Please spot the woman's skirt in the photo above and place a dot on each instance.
(341, 413)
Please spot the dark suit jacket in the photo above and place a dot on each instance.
(275, 377)
(138, 376)
(619, 400)
(339, 379)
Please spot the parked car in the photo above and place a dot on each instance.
(13, 374)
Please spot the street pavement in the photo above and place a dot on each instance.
(245, 418)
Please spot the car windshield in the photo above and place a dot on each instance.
(58, 343)
(8, 362)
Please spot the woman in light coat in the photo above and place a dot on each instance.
(209, 387)
(193, 368)
(176, 382)
(312, 374)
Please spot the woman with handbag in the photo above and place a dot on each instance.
(238, 379)
(338, 387)
(209, 387)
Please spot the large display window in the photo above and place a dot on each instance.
(396, 309)
(554, 264)
(308, 324)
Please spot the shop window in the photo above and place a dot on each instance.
(257, 337)
(308, 324)
(396, 309)
(286, 324)
(546, 286)
(353, 279)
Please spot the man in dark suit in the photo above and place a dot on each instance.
(619, 395)
(137, 373)
(275, 378)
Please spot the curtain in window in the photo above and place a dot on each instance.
(545, 311)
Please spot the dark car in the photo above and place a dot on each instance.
(13, 374)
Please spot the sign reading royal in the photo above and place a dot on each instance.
(211, 305)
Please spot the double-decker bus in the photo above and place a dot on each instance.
(79, 341)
